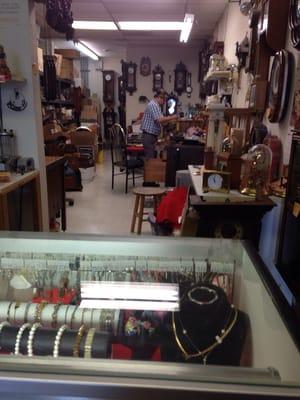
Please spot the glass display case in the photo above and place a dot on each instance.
(105, 317)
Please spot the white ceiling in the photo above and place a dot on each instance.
(207, 14)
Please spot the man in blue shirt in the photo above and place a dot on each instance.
(151, 123)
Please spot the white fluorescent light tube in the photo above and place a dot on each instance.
(186, 27)
(129, 291)
(95, 25)
(150, 25)
(82, 47)
(130, 305)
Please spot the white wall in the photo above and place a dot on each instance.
(167, 58)
(232, 28)
(17, 33)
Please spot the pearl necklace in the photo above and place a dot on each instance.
(19, 336)
(58, 340)
(32, 331)
(219, 338)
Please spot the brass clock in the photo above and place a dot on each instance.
(108, 87)
(158, 78)
(216, 181)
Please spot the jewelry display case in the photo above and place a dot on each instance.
(208, 321)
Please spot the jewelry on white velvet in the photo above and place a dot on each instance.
(19, 336)
(30, 340)
(57, 340)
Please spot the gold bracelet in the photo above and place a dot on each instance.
(89, 343)
(54, 315)
(8, 311)
(78, 341)
(38, 311)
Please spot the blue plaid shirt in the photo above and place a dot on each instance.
(150, 122)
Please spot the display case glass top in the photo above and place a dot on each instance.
(53, 288)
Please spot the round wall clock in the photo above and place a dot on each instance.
(294, 17)
(280, 81)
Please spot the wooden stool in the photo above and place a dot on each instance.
(138, 211)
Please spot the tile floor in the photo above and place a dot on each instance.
(100, 210)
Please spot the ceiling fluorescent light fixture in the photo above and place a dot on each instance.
(83, 48)
(186, 27)
(150, 25)
(95, 25)
(130, 295)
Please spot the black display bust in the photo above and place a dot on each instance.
(207, 330)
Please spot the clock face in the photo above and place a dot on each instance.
(108, 77)
(215, 181)
(130, 70)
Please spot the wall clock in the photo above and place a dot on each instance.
(108, 87)
(121, 90)
(189, 88)
(129, 74)
(273, 22)
(145, 66)
(180, 78)
(280, 85)
(158, 78)
(294, 23)
(253, 24)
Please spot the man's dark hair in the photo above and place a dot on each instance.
(160, 93)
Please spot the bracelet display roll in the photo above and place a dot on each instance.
(58, 339)
(19, 336)
(30, 340)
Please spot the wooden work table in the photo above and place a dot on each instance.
(21, 196)
(228, 215)
(56, 189)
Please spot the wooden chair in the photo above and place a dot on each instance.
(119, 157)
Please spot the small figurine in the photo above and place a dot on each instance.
(132, 327)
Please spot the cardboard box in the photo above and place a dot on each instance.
(71, 54)
(40, 56)
(66, 71)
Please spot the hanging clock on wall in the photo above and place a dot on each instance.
(189, 88)
(129, 74)
(145, 66)
(280, 85)
(273, 22)
(121, 90)
(294, 23)
(108, 87)
(158, 78)
(180, 78)
(253, 24)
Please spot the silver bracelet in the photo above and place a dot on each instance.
(19, 336)
(32, 331)
(58, 339)
(89, 343)
(2, 325)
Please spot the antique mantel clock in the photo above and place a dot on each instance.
(108, 87)
(216, 181)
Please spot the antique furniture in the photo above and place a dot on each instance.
(56, 189)
(138, 212)
(227, 215)
(119, 157)
(20, 203)
(108, 87)
(288, 250)
(233, 164)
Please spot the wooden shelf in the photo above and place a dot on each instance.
(218, 75)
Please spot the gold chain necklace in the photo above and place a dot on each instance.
(203, 353)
